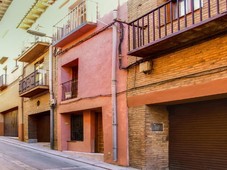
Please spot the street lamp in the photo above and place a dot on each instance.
(52, 100)
(36, 33)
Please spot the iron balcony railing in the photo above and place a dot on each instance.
(171, 17)
(84, 12)
(69, 89)
(31, 40)
(37, 78)
(2, 81)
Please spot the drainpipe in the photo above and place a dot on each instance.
(22, 106)
(22, 119)
(114, 89)
(52, 101)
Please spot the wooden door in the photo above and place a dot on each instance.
(11, 123)
(99, 144)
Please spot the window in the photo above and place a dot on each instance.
(40, 73)
(70, 85)
(77, 129)
(74, 87)
(15, 67)
(39, 64)
(186, 6)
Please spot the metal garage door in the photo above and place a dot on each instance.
(11, 123)
(198, 136)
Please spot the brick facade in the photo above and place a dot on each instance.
(148, 149)
(200, 63)
(156, 152)
(137, 142)
(39, 103)
(36, 104)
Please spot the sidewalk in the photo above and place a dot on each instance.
(41, 148)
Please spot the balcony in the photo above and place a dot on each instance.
(3, 84)
(34, 48)
(175, 25)
(81, 19)
(69, 89)
(33, 84)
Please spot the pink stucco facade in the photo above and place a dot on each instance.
(93, 59)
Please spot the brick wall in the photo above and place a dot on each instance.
(148, 149)
(157, 144)
(31, 107)
(29, 68)
(31, 104)
(138, 8)
(194, 65)
(200, 63)
(137, 142)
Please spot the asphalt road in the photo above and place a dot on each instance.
(17, 158)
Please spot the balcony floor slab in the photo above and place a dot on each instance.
(34, 91)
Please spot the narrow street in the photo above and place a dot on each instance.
(15, 156)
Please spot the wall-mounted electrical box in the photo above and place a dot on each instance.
(145, 67)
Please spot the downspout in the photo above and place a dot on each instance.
(52, 101)
(22, 108)
(114, 89)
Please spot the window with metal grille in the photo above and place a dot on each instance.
(77, 129)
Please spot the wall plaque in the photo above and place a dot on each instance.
(157, 127)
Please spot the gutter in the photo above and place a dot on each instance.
(52, 100)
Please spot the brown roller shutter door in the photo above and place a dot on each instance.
(11, 123)
(198, 136)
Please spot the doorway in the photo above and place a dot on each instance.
(99, 143)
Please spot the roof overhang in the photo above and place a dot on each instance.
(4, 5)
(34, 13)
(3, 59)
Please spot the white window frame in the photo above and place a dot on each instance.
(188, 7)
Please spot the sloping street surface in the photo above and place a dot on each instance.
(16, 155)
